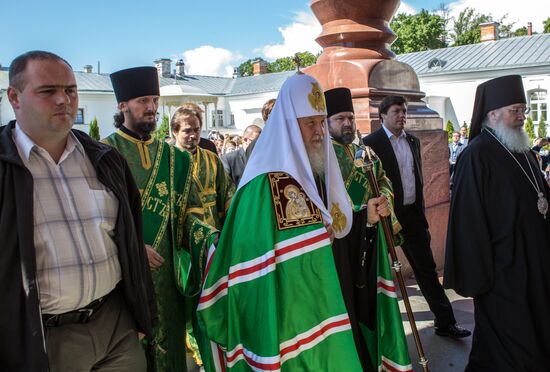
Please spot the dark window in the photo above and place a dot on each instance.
(79, 116)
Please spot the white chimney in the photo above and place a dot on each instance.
(163, 67)
(180, 67)
(88, 69)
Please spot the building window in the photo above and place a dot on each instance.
(217, 118)
(79, 116)
(538, 105)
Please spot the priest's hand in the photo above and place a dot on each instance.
(155, 259)
(376, 208)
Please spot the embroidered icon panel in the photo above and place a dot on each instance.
(292, 205)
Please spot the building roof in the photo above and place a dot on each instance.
(510, 53)
(260, 83)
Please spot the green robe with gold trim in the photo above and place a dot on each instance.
(355, 254)
(215, 190)
(173, 226)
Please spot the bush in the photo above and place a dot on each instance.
(94, 130)
(450, 128)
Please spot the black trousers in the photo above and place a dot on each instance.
(417, 249)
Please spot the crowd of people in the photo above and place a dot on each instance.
(123, 254)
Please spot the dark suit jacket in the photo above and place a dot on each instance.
(234, 163)
(381, 145)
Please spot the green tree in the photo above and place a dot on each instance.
(522, 31)
(94, 130)
(541, 130)
(418, 32)
(164, 128)
(546, 26)
(450, 128)
(530, 128)
(288, 64)
(466, 27)
(246, 69)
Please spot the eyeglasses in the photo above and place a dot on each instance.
(519, 110)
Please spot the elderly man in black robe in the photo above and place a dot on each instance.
(498, 241)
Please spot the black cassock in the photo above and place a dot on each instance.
(498, 252)
(358, 282)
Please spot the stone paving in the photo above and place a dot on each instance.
(444, 354)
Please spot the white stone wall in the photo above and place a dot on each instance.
(248, 108)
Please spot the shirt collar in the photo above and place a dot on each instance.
(25, 144)
(390, 134)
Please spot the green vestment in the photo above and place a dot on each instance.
(173, 227)
(215, 190)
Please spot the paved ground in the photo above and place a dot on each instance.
(444, 354)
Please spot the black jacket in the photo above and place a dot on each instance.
(234, 163)
(381, 145)
(22, 345)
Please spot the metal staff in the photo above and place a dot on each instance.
(396, 265)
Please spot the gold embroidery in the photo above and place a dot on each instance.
(338, 218)
(292, 206)
(316, 98)
(162, 189)
(198, 236)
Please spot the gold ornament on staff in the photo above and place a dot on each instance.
(367, 159)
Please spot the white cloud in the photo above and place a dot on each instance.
(521, 12)
(299, 36)
(406, 8)
(210, 61)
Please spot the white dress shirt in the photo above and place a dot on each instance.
(405, 161)
(74, 221)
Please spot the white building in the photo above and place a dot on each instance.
(449, 76)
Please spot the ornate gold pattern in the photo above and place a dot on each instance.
(292, 206)
(338, 218)
(198, 236)
(162, 188)
(316, 98)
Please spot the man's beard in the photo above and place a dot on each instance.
(316, 157)
(142, 126)
(345, 139)
(145, 127)
(514, 139)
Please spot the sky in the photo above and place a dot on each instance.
(211, 36)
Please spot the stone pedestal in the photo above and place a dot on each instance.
(356, 54)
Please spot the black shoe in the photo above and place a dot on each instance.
(453, 331)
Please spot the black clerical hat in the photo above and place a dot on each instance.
(494, 94)
(135, 82)
(338, 100)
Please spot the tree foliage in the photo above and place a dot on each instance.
(418, 32)
(522, 31)
(546, 26)
(450, 129)
(279, 65)
(541, 130)
(164, 128)
(246, 69)
(94, 130)
(530, 128)
(288, 64)
(466, 27)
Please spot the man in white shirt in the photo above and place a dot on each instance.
(401, 159)
(73, 255)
